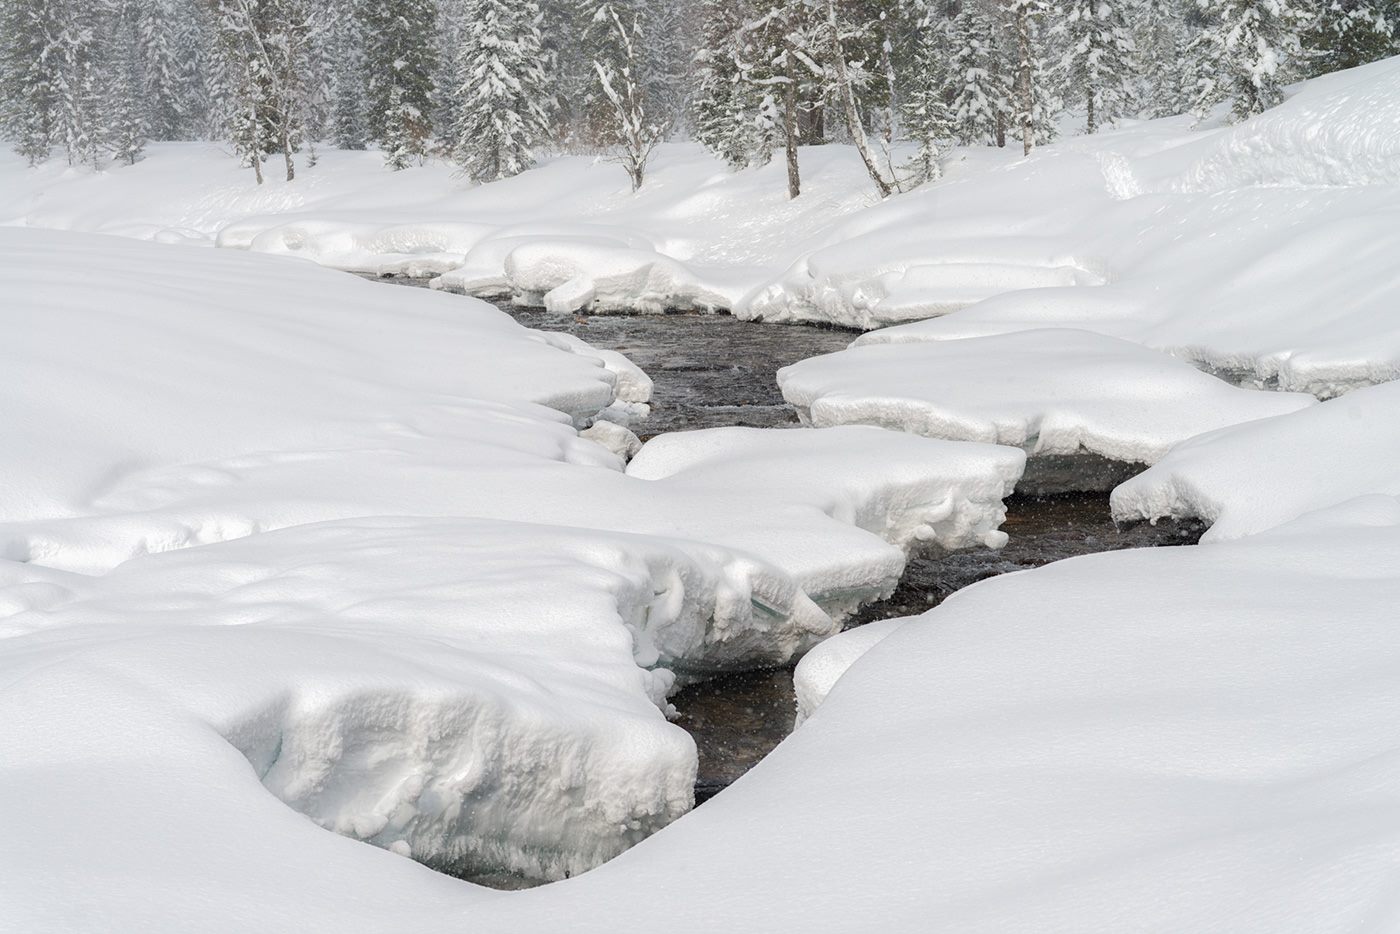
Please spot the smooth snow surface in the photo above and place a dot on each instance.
(1254, 477)
(1056, 391)
(821, 668)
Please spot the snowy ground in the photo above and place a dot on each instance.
(278, 544)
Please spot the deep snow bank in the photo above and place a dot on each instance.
(1254, 477)
(1174, 739)
(1260, 251)
(1053, 392)
(354, 534)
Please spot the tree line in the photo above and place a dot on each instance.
(493, 84)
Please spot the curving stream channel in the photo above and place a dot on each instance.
(712, 371)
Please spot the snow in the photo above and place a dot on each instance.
(1174, 739)
(1255, 477)
(354, 535)
(1053, 392)
(821, 668)
(283, 552)
(696, 235)
(1258, 251)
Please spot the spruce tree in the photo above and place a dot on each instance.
(1249, 49)
(1348, 33)
(127, 81)
(1166, 82)
(29, 76)
(979, 90)
(724, 106)
(400, 62)
(157, 24)
(928, 118)
(500, 121)
(1096, 58)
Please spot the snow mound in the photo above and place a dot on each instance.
(1174, 739)
(355, 533)
(1053, 392)
(904, 489)
(821, 668)
(1253, 477)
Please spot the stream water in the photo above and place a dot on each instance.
(715, 370)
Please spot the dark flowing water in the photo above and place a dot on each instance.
(714, 370)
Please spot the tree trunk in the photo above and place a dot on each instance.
(1025, 99)
(848, 99)
(287, 152)
(1091, 125)
(794, 177)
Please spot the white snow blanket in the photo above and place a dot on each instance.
(569, 234)
(1262, 250)
(347, 541)
(1254, 477)
(1177, 739)
(1053, 392)
(821, 668)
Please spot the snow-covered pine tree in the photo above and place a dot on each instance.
(928, 118)
(500, 121)
(400, 62)
(127, 83)
(1032, 103)
(980, 92)
(635, 133)
(1165, 80)
(724, 106)
(1348, 33)
(670, 26)
(1250, 49)
(163, 76)
(602, 45)
(1096, 58)
(348, 105)
(80, 104)
(28, 76)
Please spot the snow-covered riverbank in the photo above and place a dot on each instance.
(276, 543)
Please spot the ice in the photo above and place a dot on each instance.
(1254, 477)
(1052, 391)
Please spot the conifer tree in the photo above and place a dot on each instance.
(1096, 59)
(28, 76)
(127, 84)
(928, 118)
(500, 121)
(724, 106)
(157, 24)
(980, 92)
(1250, 49)
(400, 62)
(1348, 33)
(1166, 82)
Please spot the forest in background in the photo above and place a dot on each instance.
(495, 84)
